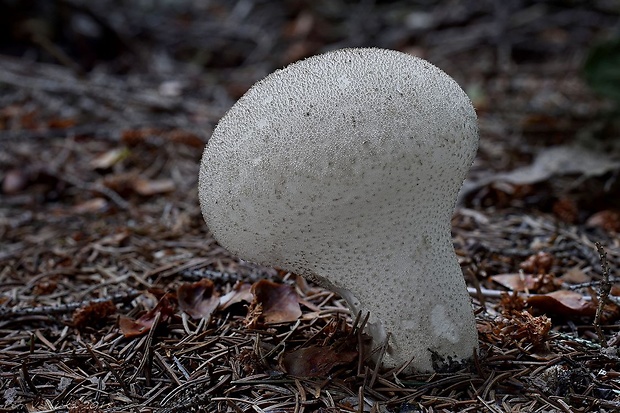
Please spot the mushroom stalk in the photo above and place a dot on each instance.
(345, 168)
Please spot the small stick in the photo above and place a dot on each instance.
(603, 293)
(8, 313)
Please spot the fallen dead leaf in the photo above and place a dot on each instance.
(315, 361)
(240, 292)
(93, 314)
(274, 303)
(575, 275)
(550, 162)
(541, 283)
(133, 328)
(198, 299)
(564, 303)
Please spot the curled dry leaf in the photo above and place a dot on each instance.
(240, 292)
(274, 303)
(134, 328)
(198, 299)
(315, 361)
(564, 303)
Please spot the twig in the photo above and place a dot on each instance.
(6, 313)
(603, 294)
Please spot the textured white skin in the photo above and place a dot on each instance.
(345, 168)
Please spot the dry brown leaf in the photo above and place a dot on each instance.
(134, 328)
(93, 314)
(240, 292)
(575, 276)
(315, 361)
(279, 303)
(563, 302)
(198, 299)
(542, 283)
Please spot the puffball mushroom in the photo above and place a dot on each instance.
(345, 168)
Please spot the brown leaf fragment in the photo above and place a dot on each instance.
(575, 275)
(240, 292)
(315, 361)
(133, 328)
(198, 299)
(278, 303)
(564, 303)
(541, 283)
(93, 314)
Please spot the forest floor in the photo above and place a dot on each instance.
(115, 298)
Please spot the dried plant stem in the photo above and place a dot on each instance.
(604, 291)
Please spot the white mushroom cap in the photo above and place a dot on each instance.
(345, 168)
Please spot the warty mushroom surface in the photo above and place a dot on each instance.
(345, 168)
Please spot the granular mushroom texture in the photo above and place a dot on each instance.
(345, 168)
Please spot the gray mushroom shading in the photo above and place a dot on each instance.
(345, 168)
